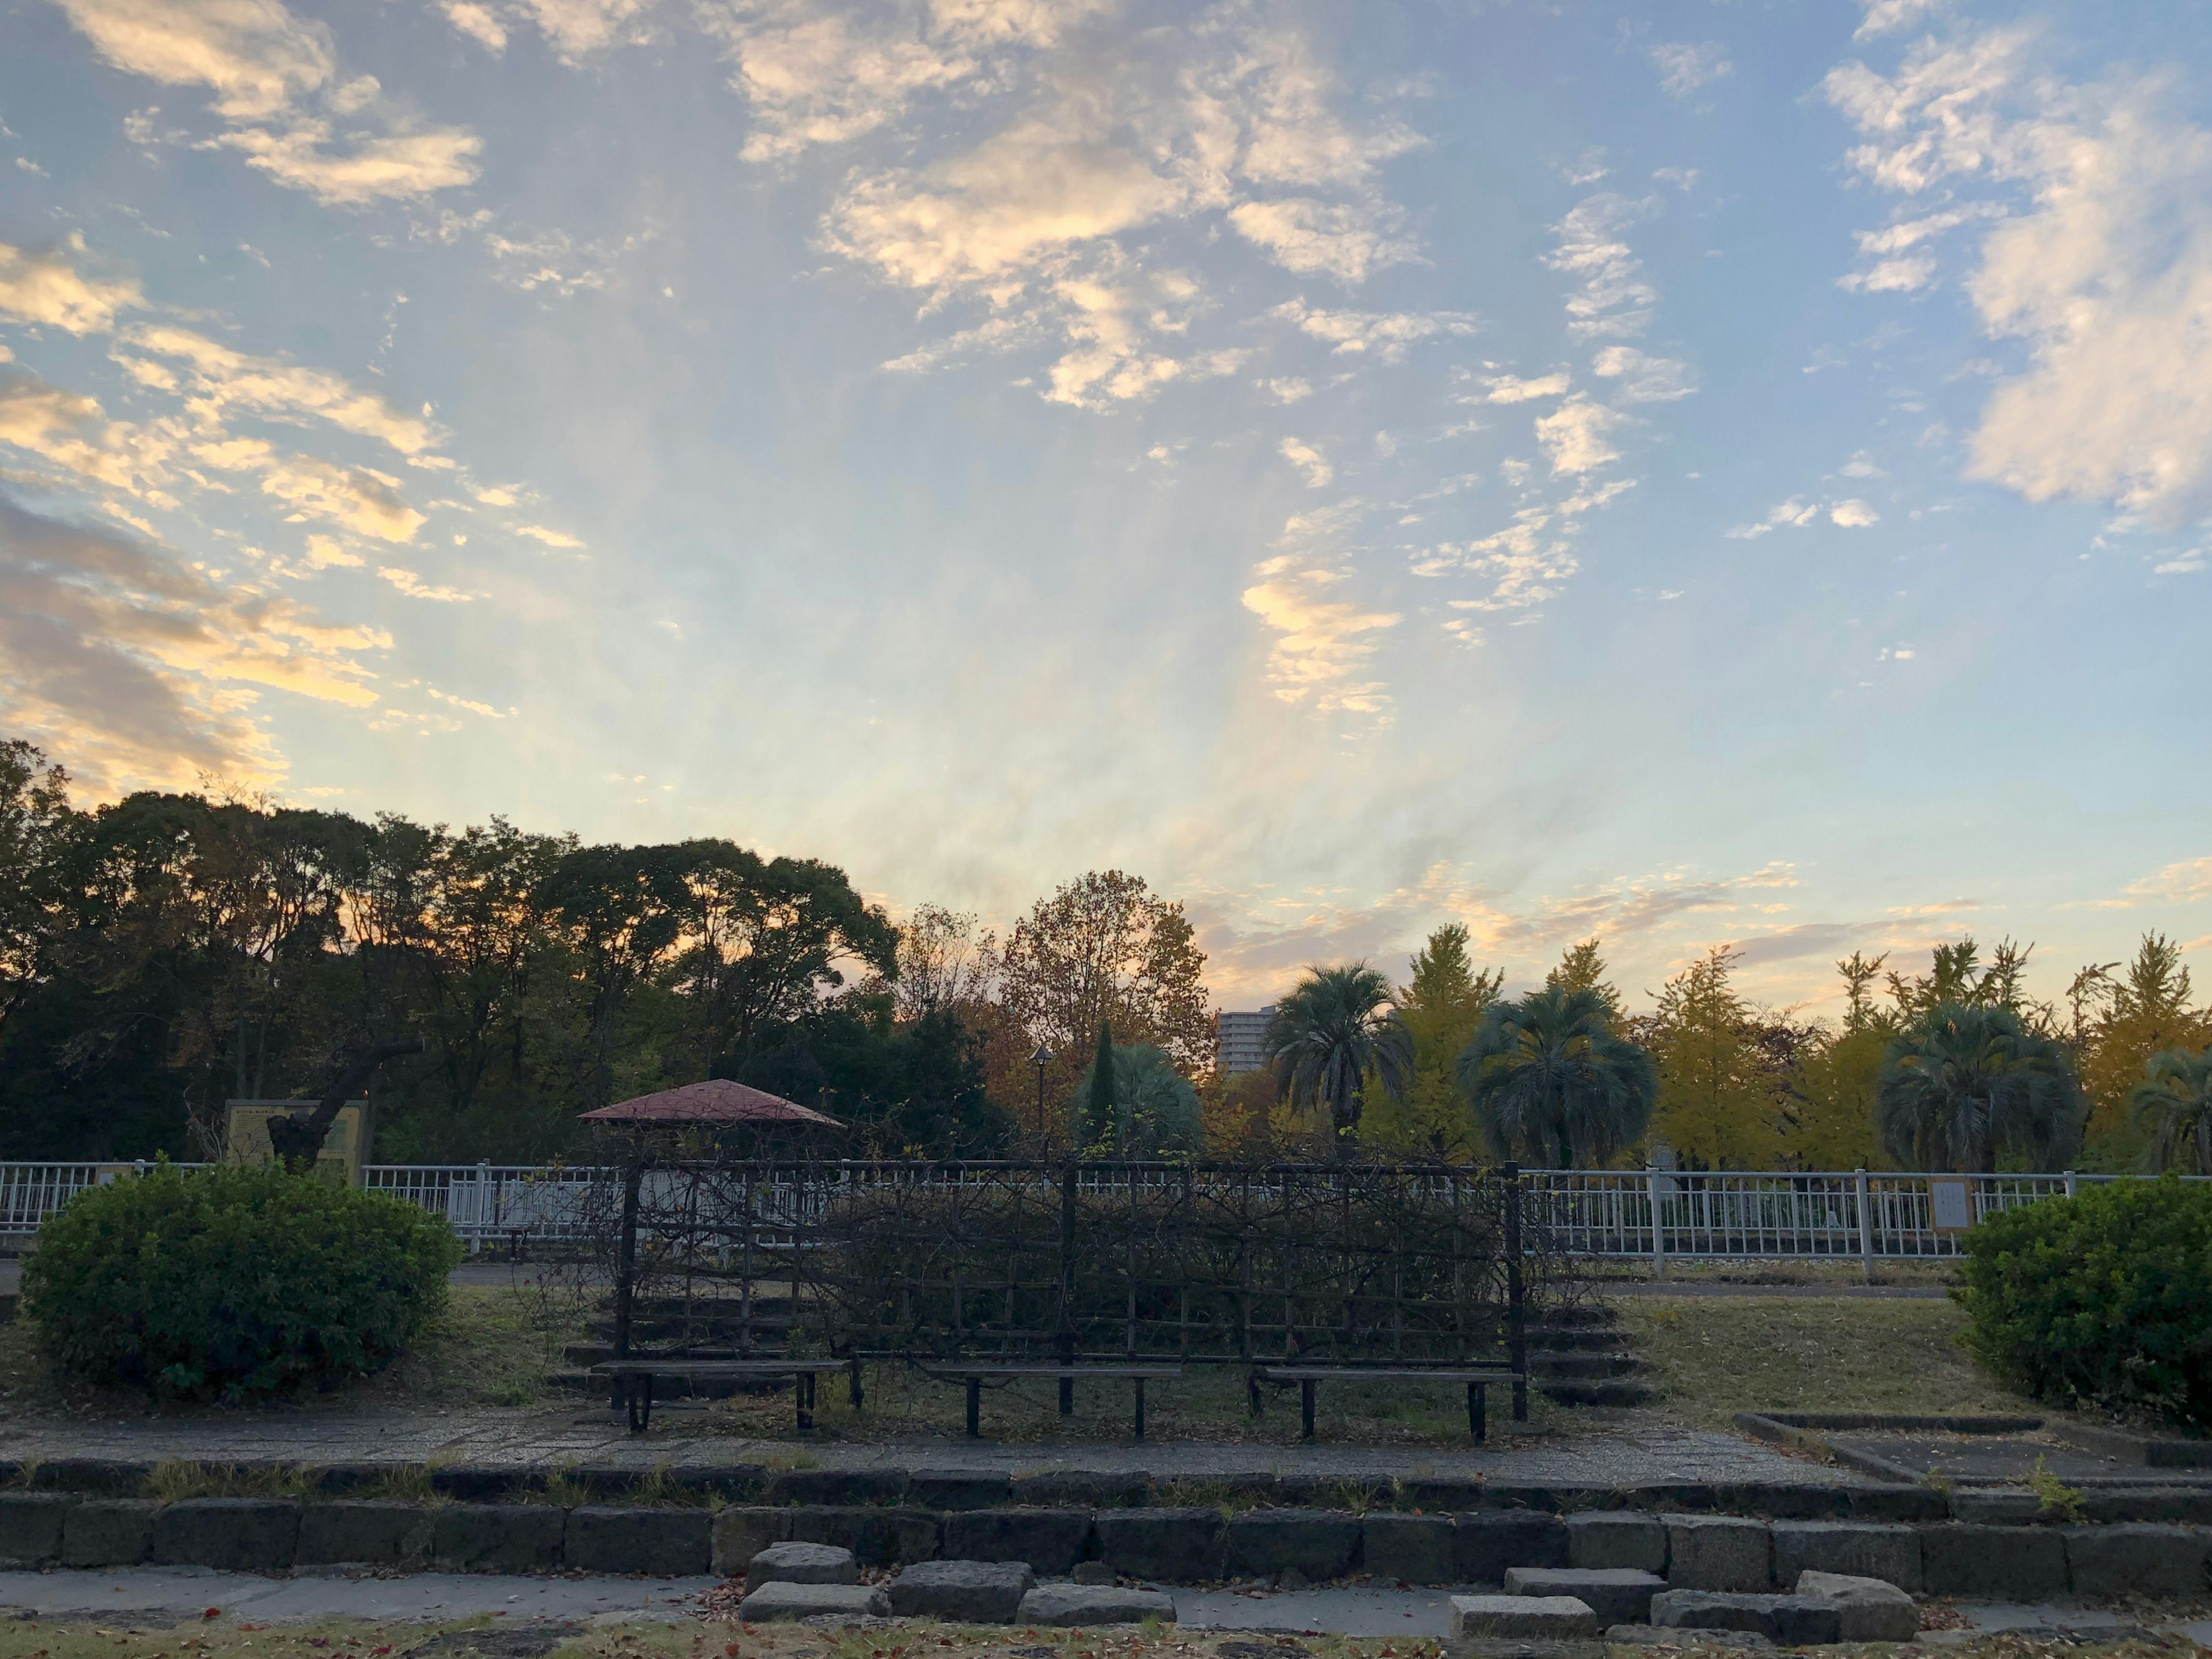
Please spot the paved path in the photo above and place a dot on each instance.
(144, 1596)
(1625, 1456)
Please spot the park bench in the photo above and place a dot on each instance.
(633, 1377)
(1477, 1378)
(974, 1373)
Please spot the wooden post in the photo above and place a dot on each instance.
(1517, 1294)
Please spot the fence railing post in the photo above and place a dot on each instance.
(1516, 1295)
(2070, 1183)
(1866, 1221)
(1658, 1226)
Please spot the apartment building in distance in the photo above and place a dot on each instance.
(1238, 1037)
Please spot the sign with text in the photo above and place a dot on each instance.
(1950, 1203)
(343, 1150)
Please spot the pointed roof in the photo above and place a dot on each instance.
(716, 1101)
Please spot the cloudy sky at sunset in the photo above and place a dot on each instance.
(1696, 473)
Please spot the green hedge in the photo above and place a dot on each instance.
(233, 1282)
(2101, 1300)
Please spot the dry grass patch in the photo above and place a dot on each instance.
(1714, 1356)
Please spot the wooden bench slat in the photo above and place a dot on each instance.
(1076, 1372)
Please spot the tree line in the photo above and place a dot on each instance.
(1956, 1069)
(167, 952)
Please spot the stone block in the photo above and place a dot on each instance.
(1617, 1596)
(773, 1602)
(1793, 1620)
(877, 1537)
(965, 1592)
(350, 1529)
(498, 1537)
(1051, 1540)
(1616, 1538)
(1914, 1503)
(2173, 1505)
(1862, 1549)
(1868, 1609)
(31, 1527)
(231, 1534)
(957, 1489)
(1080, 1605)
(1438, 1495)
(1553, 1618)
(1414, 1549)
(795, 1563)
(2001, 1506)
(1319, 1543)
(734, 1483)
(1087, 1489)
(2136, 1560)
(1718, 1553)
(743, 1532)
(1173, 1546)
(109, 1532)
(1485, 1544)
(665, 1543)
(2003, 1564)
(107, 1477)
(481, 1483)
(835, 1486)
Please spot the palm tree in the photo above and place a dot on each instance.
(1550, 1074)
(2175, 1097)
(1961, 1084)
(1328, 1033)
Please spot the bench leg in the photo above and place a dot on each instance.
(1140, 1405)
(975, 1408)
(1305, 1406)
(802, 1391)
(1521, 1399)
(1477, 1401)
(1066, 1396)
(854, 1377)
(637, 1398)
(1252, 1394)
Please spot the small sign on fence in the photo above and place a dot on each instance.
(1950, 1203)
(245, 1135)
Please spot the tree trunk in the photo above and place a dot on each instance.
(298, 1139)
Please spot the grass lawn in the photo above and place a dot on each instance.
(490, 1347)
(1714, 1356)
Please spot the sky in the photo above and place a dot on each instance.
(1699, 474)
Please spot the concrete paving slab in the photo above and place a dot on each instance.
(188, 1592)
(1354, 1611)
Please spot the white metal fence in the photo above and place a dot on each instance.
(1651, 1214)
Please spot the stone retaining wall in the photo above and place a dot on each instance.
(1185, 1544)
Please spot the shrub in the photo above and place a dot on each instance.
(233, 1282)
(2104, 1299)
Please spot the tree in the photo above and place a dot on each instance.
(1965, 1084)
(2132, 1018)
(35, 823)
(1133, 1103)
(1583, 968)
(1549, 1077)
(944, 960)
(1335, 1028)
(1103, 947)
(1723, 1095)
(1441, 1006)
(2174, 1103)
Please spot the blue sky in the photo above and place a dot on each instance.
(1723, 473)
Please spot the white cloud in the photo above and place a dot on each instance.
(1852, 514)
(72, 431)
(478, 22)
(1388, 334)
(1289, 389)
(223, 379)
(1508, 389)
(1347, 241)
(1792, 513)
(1683, 69)
(1308, 460)
(1886, 16)
(1644, 380)
(2184, 564)
(2104, 271)
(42, 286)
(1614, 301)
(276, 86)
(1321, 654)
(416, 588)
(538, 532)
(363, 501)
(2184, 883)
(1573, 435)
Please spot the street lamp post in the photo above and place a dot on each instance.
(1041, 1059)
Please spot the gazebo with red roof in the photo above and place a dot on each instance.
(719, 1105)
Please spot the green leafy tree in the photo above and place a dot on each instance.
(1133, 1103)
(1328, 1035)
(1723, 1099)
(1551, 1078)
(2173, 1103)
(1441, 1006)
(1583, 968)
(2133, 1016)
(1963, 1085)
